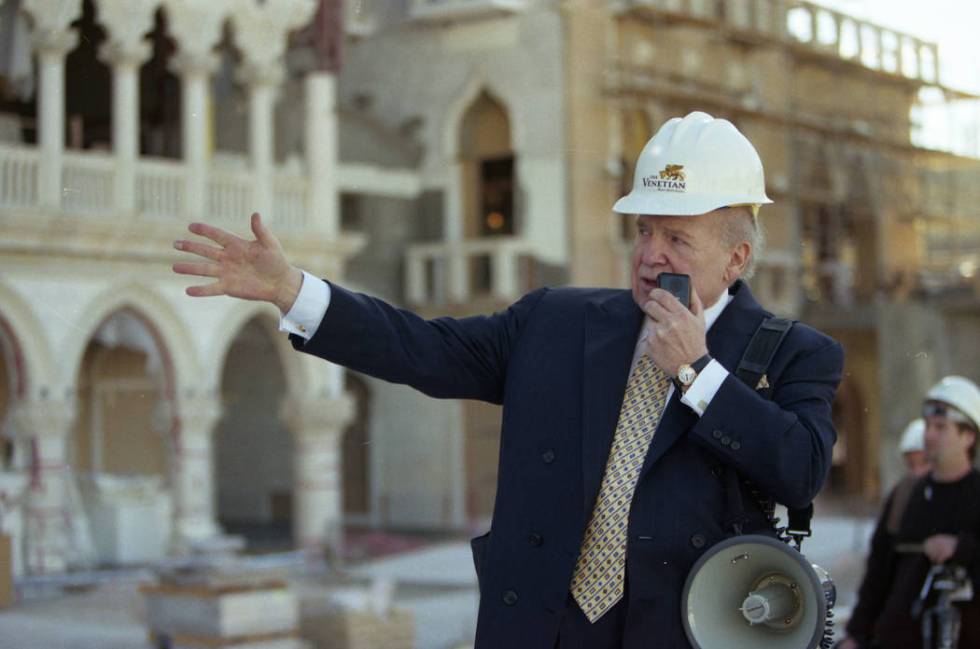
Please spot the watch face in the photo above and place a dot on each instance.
(686, 374)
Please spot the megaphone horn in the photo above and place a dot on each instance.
(756, 592)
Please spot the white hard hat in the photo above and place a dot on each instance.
(961, 393)
(692, 166)
(914, 437)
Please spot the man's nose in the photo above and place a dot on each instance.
(654, 251)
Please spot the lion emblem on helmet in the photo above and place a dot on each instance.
(673, 172)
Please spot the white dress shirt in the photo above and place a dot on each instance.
(310, 307)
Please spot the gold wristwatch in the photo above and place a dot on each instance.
(687, 373)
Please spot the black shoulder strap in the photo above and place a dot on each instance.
(762, 349)
(751, 369)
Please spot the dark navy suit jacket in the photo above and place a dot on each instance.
(558, 360)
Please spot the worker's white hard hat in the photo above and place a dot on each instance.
(914, 437)
(961, 393)
(692, 166)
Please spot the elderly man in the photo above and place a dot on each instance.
(622, 417)
(940, 513)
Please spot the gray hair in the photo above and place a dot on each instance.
(741, 223)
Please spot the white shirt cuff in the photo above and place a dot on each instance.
(702, 391)
(307, 312)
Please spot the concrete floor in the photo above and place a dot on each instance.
(436, 582)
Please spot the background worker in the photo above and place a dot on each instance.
(942, 514)
(913, 449)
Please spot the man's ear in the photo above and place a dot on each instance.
(738, 261)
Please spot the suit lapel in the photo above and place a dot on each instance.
(727, 340)
(611, 330)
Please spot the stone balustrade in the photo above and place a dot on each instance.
(458, 272)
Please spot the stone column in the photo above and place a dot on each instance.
(49, 518)
(52, 40)
(457, 271)
(262, 34)
(197, 28)
(321, 150)
(195, 75)
(126, 51)
(318, 426)
(192, 470)
(263, 82)
(125, 119)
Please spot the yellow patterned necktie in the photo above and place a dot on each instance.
(597, 583)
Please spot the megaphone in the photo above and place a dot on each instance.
(756, 592)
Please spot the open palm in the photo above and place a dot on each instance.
(250, 270)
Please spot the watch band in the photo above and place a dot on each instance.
(701, 363)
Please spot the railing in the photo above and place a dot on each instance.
(160, 186)
(88, 183)
(462, 9)
(230, 195)
(443, 272)
(289, 201)
(18, 176)
(816, 28)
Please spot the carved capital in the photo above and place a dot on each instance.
(196, 26)
(123, 53)
(324, 416)
(44, 417)
(57, 42)
(127, 22)
(261, 32)
(202, 64)
(51, 16)
(266, 74)
(198, 413)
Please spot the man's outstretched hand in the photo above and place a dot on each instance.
(250, 270)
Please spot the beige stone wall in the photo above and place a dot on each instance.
(593, 260)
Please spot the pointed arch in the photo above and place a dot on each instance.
(240, 315)
(460, 106)
(169, 332)
(28, 341)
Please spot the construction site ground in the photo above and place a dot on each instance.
(103, 609)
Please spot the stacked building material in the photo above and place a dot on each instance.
(222, 608)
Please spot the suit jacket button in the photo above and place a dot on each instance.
(510, 598)
(736, 445)
(548, 456)
(698, 541)
(717, 434)
(726, 440)
(535, 539)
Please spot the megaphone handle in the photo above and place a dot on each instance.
(735, 509)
